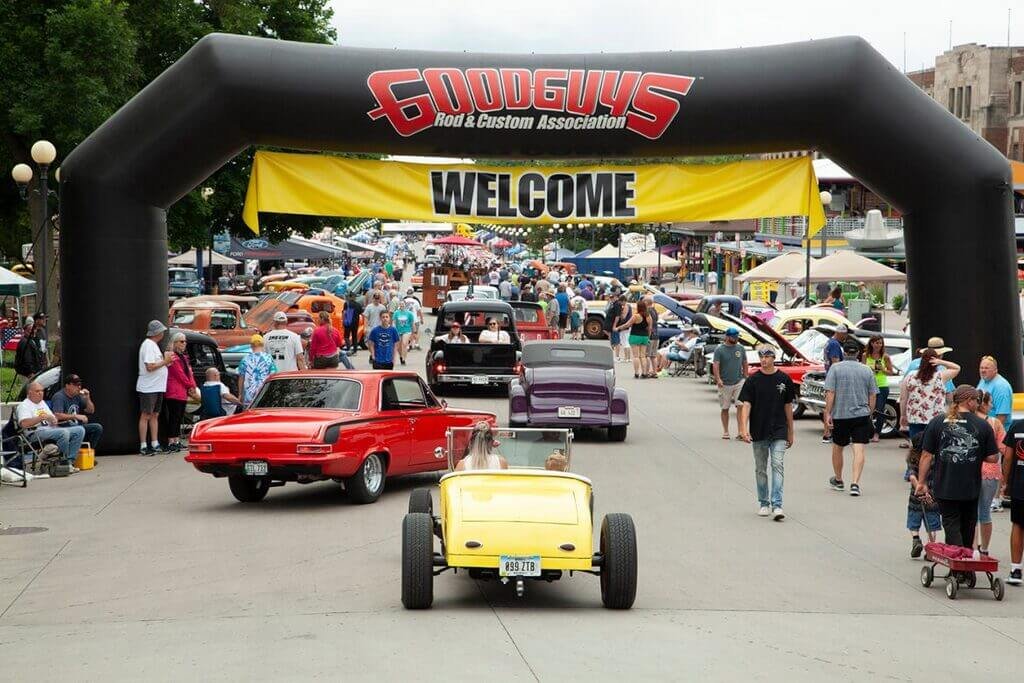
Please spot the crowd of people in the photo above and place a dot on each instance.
(964, 458)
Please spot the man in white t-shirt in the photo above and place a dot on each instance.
(40, 424)
(228, 401)
(151, 385)
(284, 346)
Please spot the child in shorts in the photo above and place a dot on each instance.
(920, 510)
(1013, 476)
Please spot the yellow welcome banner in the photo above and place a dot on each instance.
(657, 193)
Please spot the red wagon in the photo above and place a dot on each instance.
(962, 570)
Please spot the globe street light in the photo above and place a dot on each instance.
(43, 153)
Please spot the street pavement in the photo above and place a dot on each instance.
(151, 571)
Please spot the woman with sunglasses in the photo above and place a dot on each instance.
(494, 334)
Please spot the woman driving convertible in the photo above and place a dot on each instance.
(479, 455)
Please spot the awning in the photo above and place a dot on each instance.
(189, 259)
(607, 251)
(288, 250)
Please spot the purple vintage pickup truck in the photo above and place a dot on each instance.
(569, 384)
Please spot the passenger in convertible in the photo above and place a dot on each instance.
(479, 453)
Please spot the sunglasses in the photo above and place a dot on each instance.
(765, 354)
(492, 324)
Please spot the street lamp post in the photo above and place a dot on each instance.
(826, 199)
(43, 153)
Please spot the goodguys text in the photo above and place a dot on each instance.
(602, 194)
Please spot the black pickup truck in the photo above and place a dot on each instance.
(473, 363)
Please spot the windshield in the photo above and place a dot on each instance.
(528, 314)
(522, 448)
(310, 392)
(475, 319)
(184, 276)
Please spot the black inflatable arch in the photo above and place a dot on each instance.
(229, 92)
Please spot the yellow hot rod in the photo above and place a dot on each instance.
(528, 518)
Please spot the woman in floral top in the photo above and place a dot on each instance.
(923, 393)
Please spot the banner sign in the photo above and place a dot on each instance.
(657, 193)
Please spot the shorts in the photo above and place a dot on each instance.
(574, 321)
(563, 320)
(150, 402)
(916, 514)
(616, 337)
(383, 366)
(989, 487)
(1017, 512)
(638, 340)
(855, 429)
(652, 347)
(728, 393)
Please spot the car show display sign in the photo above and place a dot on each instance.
(320, 185)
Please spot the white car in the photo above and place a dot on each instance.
(485, 292)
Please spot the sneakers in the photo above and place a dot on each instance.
(997, 505)
(764, 511)
(1014, 577)
(916, 547)
(778, 515)
(854, 489)
(836, 484)
(826, 439)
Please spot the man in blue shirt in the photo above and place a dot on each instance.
(563, 307)
(833, 354)
(995, 384)
(382, 342)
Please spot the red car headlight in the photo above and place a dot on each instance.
(313, 448)
(200, 447)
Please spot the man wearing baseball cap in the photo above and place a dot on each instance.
(284, 346)
(729, 366)
(73, 405)
(151, 385)
(833, 354)
(850, 394)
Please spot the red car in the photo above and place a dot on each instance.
(530, 321)
(353, 427)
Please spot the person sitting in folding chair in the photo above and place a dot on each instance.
(216, 400)
(40, 425)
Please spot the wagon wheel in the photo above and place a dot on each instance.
(951, 587)
(998, 588)
(927, 575)
(972, 579)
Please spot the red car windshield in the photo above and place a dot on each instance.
(310, 392)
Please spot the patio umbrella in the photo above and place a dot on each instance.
(502, 244)
(650, 259)
(846, 266)
(788, 266)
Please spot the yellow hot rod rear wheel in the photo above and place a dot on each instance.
(618, 561)
(417, 561)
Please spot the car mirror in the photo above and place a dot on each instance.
(439, 453)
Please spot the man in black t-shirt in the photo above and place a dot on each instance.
(1013, 475)
(766, 421)
(958, 446)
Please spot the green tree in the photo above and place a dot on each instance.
(67, 65)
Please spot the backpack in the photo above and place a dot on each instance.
(28, 358)
(348, 318)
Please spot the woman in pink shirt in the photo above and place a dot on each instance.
(325, 345)
(991, 473)
(180, 385)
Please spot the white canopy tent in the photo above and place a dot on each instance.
(651, 259)
(789, 266)
(846, 266)
(607, 251)
(189, 259)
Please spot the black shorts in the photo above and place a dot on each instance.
(563, 319)
(855, 429)
(383, 366)
(1017, 512)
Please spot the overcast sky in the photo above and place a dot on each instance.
(646, 25)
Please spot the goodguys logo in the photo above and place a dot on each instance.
(560, 99)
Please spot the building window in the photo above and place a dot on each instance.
(967, 103)
(1018, 106)
(952, 100)
(959, 103)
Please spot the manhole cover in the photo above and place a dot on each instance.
(19, 530)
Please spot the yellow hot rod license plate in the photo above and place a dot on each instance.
(519, 565)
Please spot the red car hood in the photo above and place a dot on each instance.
(277, 424)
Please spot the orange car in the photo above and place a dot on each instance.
(222, 320)
(314, 303)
